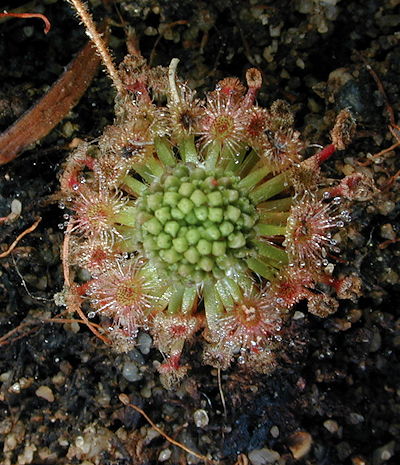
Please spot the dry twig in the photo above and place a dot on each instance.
(64, 94)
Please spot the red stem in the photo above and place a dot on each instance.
(47, 24)
(325, 153)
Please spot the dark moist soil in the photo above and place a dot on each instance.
(338, 382)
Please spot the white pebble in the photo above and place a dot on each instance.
(274, 431)
(144, 342)
(331, 425)
(131, 372)
(200, 418)
(164, 455)
(263, 456)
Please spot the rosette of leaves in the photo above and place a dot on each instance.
(200, 217)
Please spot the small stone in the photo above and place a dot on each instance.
(376, 340)
(150, 31)
(347, 169)
(268, 53)
(396, 341)
(66, 367)
(10, 443)
(383, 454)
(300, 63)
(6, 426)
(131, 372)
(45, 393)
(386, 207)
(81, 444)
(187, 439)
(68, 129)
(146, 392)
(357, 460)
(387, 232)
(27, 455)
(298, 315)
(263, 456)
(16, 209)
(313, 105)
(200, 418)
(73, 327)
(274, 431)
(136, 356)
(58, 379)
(25, 383)
(4, 377)
(355, 418)
(83, 275)
(341, 324)
(275, 31)
(343, 450)
(299, 444)
(144, 342)
(164, 455)
(332, 426)
(354, 315)
(28, 31)
(15, 388)
(304, 6)
(149, 434)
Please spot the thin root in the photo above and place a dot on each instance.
(393, 127)
(378, 155)
(221, 392)
(24, 233)
(385, 244)
(380, 87)
(125, 400)
(391, 181)
(4, 340)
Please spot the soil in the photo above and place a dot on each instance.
(336, 391)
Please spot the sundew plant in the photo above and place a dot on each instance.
(202, 218)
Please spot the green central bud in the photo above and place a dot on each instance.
(196, 223)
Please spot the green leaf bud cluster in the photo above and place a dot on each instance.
(195, 223)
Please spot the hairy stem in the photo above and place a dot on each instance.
(102, 48)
